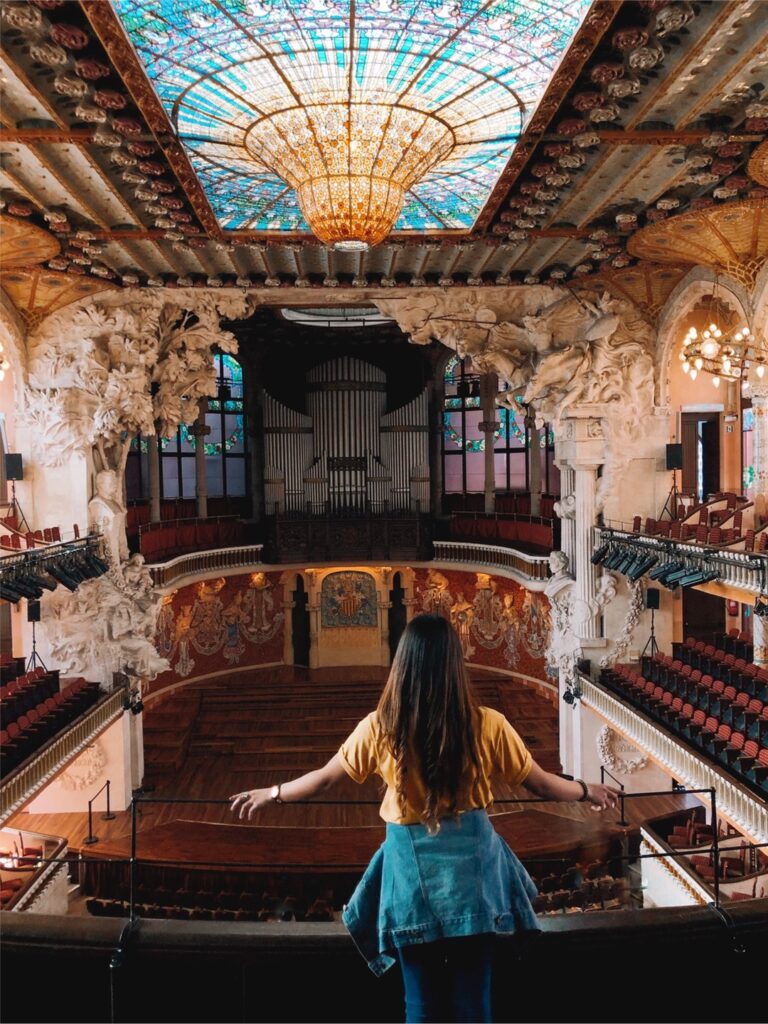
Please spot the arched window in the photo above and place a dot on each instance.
(225, 446)
(464, 442)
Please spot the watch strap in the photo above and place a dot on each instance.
(584, 790)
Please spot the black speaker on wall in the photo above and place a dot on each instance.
(13, 467)
(652, 598)
(33, 611)
(674, 456)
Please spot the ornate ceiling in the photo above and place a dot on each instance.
(655, 110)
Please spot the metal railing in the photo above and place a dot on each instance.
(166, 574)
(530, 567)
(741, 569)
(24, 782)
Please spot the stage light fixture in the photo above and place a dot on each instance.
(601, 554)
(660, 571)
(694, 577)
(57, 570)
(25, 586)
(761, 606)
(8, 593)
(615, 558)
(96, 562)
(640, 570)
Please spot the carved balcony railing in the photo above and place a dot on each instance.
(168, 574)
(34, 774)
(530, 567)
(741, 569)
(735, 802)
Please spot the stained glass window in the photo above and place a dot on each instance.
(464, 442)
(225, 447)
(747, 451)
(230, 71)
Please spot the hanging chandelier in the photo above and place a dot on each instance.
(725, 352)
(351, 164)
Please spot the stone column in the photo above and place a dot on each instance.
(567, 519)
(534, 462)
(759, 394)
(200, 430)
(153, 462)
(489, 386)
(585, 623)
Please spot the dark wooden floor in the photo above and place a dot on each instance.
(253, 729)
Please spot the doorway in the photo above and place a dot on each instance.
(701, 454)
(300, 624)
(703, 615)
(397, 614)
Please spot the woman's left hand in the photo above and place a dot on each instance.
(249, 802)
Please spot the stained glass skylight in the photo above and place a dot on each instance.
(237, 77)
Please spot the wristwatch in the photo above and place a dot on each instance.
(274, 794)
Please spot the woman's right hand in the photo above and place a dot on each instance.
(601, 798)
(249, 802)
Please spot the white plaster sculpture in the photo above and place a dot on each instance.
(107, 625)
(561, 350)
(563, 649)
(106, 515)
(607, 742)
(100, 373)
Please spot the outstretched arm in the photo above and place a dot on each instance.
(303, 788)
(553, 787)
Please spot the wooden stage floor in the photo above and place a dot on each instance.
(218, 737)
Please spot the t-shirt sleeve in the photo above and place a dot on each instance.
(358, 751)
(513, 759)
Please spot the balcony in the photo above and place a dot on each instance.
(742, 570)
(527, 568)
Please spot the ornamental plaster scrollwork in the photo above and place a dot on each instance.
(635, 607)
(99, 373)
(107, 625)
(563, 650)
(86, 769)
(560, 350)
(612, 759)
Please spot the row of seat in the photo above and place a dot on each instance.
(743, 709)
(539, 533)
(735, 668)
(745, 757)
(25, 692)
(161, 541)
(25, 735)
(274, 909)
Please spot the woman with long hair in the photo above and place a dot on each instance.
(444, 882)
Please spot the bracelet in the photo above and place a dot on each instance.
(274, 794)
(585, 790)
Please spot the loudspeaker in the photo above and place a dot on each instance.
(584, 665)
(33, 610)
(13, 468)
(652, 598)
(674, 456)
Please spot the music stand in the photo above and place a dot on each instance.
(673, 499)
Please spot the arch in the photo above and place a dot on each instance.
(760, 303)
(13, 335)
(694, 286)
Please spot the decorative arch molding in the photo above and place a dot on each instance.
(13, 335)
(760, 303)
(694, 286)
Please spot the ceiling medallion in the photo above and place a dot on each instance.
(731, 239)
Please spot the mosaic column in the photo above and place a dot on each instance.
(153, 462)
(489, 386)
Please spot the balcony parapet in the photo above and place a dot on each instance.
(529, 568)
(735, 802)
(742, 570)
(200, 563)
(19, 787)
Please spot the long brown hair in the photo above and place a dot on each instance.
(428, 710)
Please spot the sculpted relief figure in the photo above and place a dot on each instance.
(107, 625)
(106, 514)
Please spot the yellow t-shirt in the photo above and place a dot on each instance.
(499, 748)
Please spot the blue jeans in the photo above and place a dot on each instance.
(448, 980)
